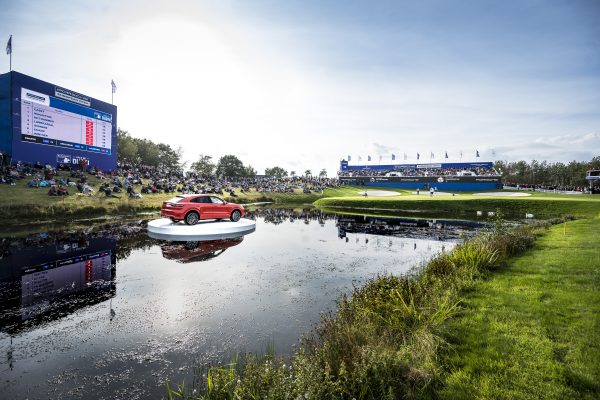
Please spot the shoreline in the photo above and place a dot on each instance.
(21, 204)
(388, 337)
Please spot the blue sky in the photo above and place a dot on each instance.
(302, 84)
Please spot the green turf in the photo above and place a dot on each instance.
(19, 203)
(466, 204)
(532, 331)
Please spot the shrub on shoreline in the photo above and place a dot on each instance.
(383, 341)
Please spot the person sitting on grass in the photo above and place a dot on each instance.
(85, 188)
(57, 191)
(132, 194)
(109, 193)
(62, 191)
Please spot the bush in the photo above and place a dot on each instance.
(383, 342)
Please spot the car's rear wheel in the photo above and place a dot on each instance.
(236, 215)
(175, 220)
(192, 218)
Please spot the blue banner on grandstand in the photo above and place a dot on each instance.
(344, 166)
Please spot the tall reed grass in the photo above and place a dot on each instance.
(383, 341)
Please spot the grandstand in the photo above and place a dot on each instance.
(593, 178)
(442, 176)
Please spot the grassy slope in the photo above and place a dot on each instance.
(542, 205)
(387, 339)
(25, 203)
(533, 330)
(22, 202)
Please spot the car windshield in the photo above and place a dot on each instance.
(176, 199)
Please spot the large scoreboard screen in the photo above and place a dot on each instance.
(51, 121)
(54, 125)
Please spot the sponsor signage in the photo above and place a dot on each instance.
(423, 179)
(71, 96)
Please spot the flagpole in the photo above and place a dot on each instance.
(113, 89)
(10, 54)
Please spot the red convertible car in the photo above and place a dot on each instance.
(193, 208)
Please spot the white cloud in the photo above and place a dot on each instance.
(553, 148)
(207, 77)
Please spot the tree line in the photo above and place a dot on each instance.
(145, 152)
(543, 173)
(131, 150)
(233, 167)
(136, 151)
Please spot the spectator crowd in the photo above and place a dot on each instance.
(404, 171)
(135, 181)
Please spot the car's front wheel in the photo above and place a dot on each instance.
(236, 215)
(192, 218)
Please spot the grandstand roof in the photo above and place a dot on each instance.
(344, 166)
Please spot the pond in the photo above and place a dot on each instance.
(111, 313)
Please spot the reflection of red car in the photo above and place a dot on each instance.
(198, 251)
(193, 208)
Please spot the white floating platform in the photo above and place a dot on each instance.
(165, 229)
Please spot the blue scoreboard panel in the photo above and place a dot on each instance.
(54, 125)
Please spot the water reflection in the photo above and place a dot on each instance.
(73, 328)
(194, 251)
(49, 281)
(279, 215)
(50, 275)
(440, 229)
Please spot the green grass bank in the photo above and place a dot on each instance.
(422, 336)
(542, 205)
(22, 204)
(532, 331)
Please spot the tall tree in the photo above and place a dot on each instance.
(249, 171)
(230, 166)
(127, 150)
(204, 165)
(276, 172)
(546, 174)
(323, 173)
(307, 173)
(148, 152)
(168, 157)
